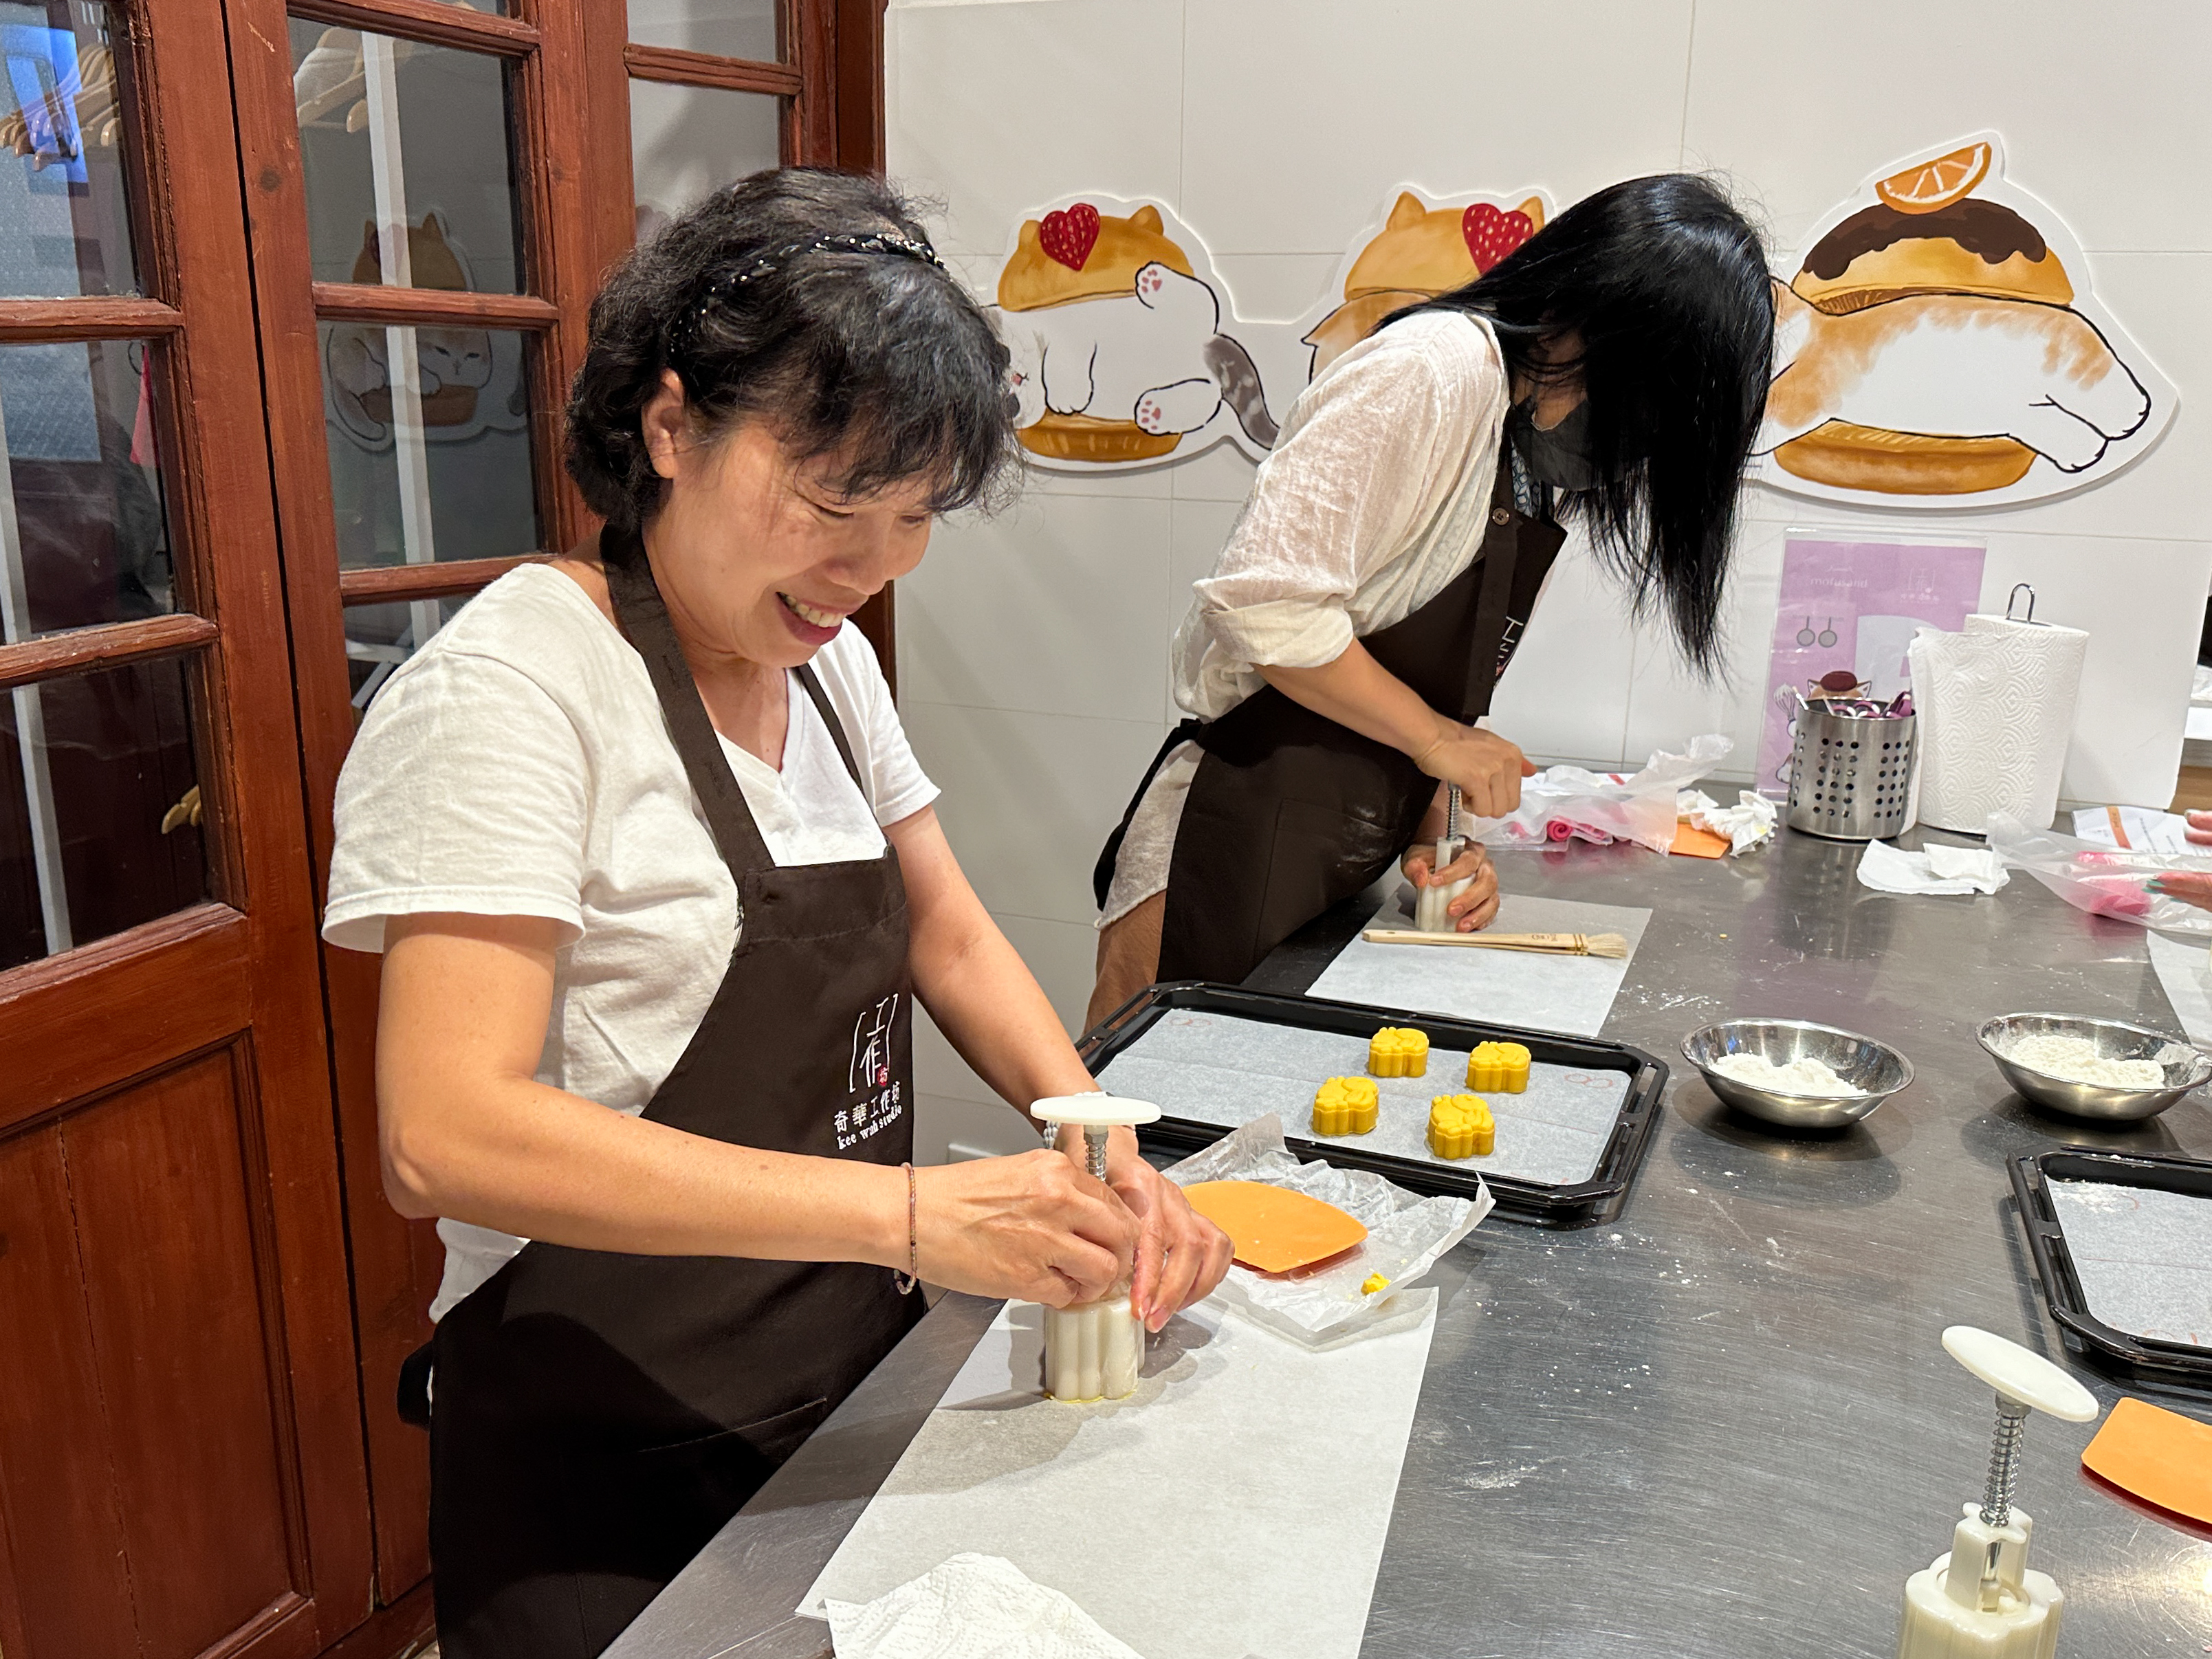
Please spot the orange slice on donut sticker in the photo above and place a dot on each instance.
(1937, 184)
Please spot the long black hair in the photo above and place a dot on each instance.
(1665, 284)
(876, 356)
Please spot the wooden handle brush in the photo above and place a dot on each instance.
(1612, 945)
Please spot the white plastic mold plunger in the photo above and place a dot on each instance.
(1433, 905)
(1981, 1601)
(1093, 1351)
(2017, 1373)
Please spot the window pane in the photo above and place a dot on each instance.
(87, 542)
(460, 485)
(728, 28)
(379, 637)
(393, 130)
(99, 808)
(64, 213)
(685, 142)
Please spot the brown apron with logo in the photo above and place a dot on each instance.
(1289, 812)
(596, 1416)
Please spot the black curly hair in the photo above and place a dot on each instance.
(877, 358)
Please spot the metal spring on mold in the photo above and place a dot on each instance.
(2004, 1462)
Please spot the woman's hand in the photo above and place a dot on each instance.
(1486, 768)
(1475, 908)
(2189, 886)
(2200, 829)
(1033, 1227)
(1180, 1256)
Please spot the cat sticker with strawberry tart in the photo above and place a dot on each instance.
(1127, 350)
(1936, 342)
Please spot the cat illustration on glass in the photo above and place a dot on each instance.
(455, 367)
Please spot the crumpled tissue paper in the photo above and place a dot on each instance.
(1406, 1235)
(1933, 869)
(1746, 824)
(971, 1607)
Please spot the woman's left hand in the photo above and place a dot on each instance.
(1475, 908)
(1180, 1256)
(2189, 886)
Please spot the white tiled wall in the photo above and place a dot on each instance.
(1033, 647)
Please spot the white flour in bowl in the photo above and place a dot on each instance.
(1799, 1076)
(2076, 1060)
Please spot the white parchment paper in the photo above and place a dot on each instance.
(1405, 1234)
(1504, 988)
(1236, 1504)
(1219, 1068)
(2182, 975)
(2143, 1256)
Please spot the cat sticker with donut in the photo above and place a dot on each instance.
(1937, 344)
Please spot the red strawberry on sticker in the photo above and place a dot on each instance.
(1491, 235)
(1068, 235)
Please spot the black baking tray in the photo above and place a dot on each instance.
(2150, 1359)
(1581, 1204)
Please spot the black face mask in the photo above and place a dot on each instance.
(1558, 455)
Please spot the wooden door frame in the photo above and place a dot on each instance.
(573, 176)
(543, 39)
(237, 971)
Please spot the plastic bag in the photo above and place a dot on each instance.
(1565, 802)
(2102, 880)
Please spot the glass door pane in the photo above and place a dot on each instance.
(395, 132)
(727, 28)
(64, 212)
(687, 141)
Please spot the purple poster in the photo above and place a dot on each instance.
(1855, 606)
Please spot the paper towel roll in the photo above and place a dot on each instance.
(1996, 708)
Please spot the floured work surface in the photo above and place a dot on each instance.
(2143, 1256)
(1234, 1505)
(1499, 987)
(1220, 1069)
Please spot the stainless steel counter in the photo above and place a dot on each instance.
(1721, 1424)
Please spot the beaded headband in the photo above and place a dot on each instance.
(877, 241)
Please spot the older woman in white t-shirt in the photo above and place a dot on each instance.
(1612, 370)
(657, 880)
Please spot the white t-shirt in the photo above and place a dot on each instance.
(1375, 497)
(519, 764)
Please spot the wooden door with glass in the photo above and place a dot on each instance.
(436, 188)
(180, 1458)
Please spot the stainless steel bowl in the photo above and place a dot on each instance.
(1876, 1070)
(2186, 1068)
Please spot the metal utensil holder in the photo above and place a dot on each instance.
(1850, 778)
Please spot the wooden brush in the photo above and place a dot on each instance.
(1613, 945)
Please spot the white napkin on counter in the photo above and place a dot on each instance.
(971, 1607)
(1933, 869)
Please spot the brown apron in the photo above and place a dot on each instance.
(596, 1416)
(1289, 812)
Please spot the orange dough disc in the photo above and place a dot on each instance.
(1275, 1228)
(2161, 1456)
